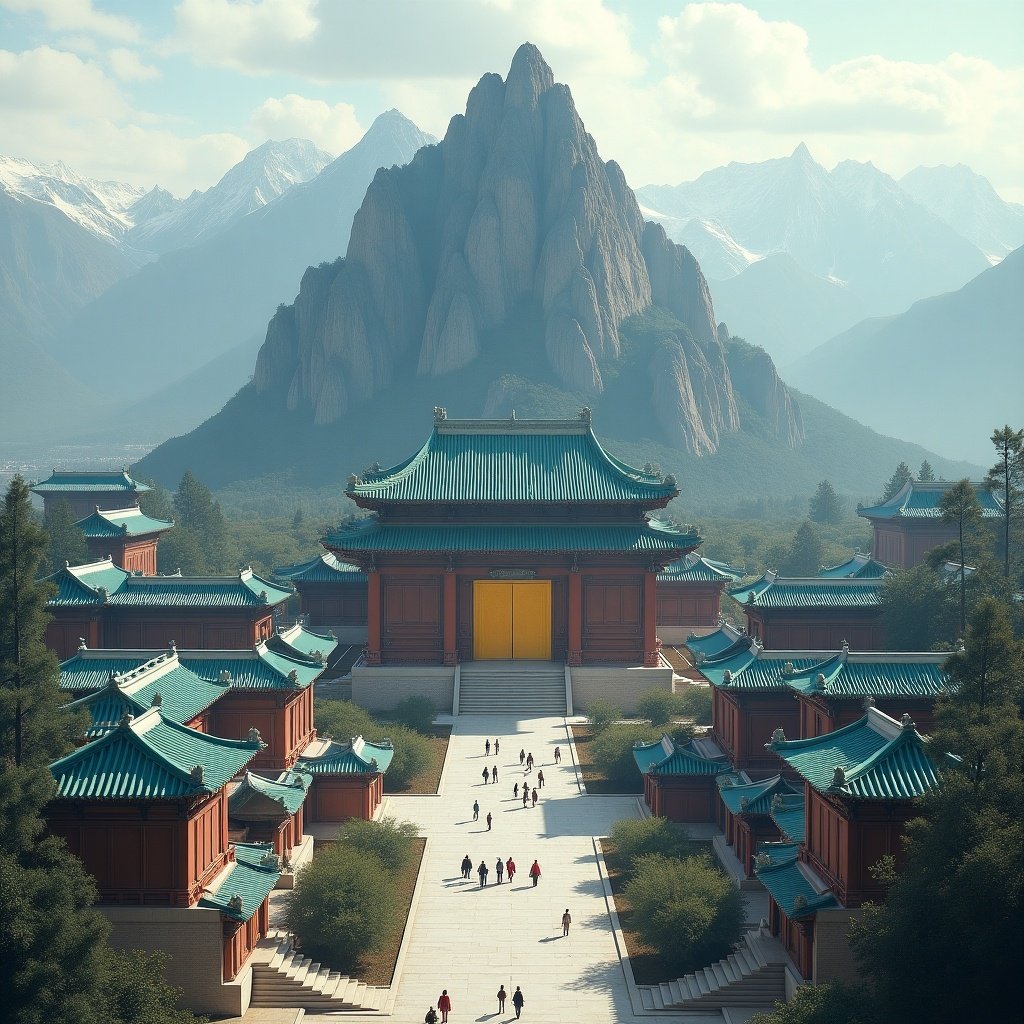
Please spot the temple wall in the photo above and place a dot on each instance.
(193, 940)
(381, 687)
(621, 686)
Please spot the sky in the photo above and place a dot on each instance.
(153, 92)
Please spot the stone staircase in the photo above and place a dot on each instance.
(527, 688)
(751, 977)
(282, 977)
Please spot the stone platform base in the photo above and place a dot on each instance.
(621, 685)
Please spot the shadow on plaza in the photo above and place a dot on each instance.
(609, 978)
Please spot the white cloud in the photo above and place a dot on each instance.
(128, 66)
(334, 129)
(47, 80)
(77, 16)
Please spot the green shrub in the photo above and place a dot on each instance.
(342, 719)
(640, 837)
(695, 703)
(657, 706)
(412, 757)
(601, 714)
(343, 906)
(835, 1002)
(416, 713)
(686, 909)
(387, 839)
(612, 754)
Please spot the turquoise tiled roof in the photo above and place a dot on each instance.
(664, 757)
(920, 500)
(711, 645)
(858, 567)
(324, 568)
(150, 758)
(888, 674)
(356, 757)
(513, 460)
(258, 669)
(874, 758)
(752, 797)
(90, 669)
(772, 591)
(125, 522)
(746, 666)
(298, 641)
(82, 585)
(80, 482)
(789, 812)
(694, 568)
(371, 534)
(248, 882)
(288, 791)
(778, 870)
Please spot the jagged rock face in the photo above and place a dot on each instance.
(514, 206)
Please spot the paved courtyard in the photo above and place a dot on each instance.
(472, 940)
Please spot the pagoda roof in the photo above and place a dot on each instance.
(694, 568)
(325, 568)
(246, 883)
(299, 641)
(82, 481)
(257, 795)
(918, 499)
(744, 797)
(151, 758)
(774, 591)
(121, 522)
(256, 668)
(859, 566)
(789, 812)
(512, 461)
(103, 583)
(325, 756)
(796, 890)
(161, 681)
(665, 757)
(372, 535)
(711, 645)
(874, 758)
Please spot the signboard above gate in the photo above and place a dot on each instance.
(513, 574)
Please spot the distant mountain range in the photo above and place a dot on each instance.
(945, 373)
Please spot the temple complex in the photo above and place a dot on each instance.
(690, 595)
(907, 526)
(332, 595)
(126, 536)
(86, 491)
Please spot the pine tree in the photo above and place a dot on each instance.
(806, 553)
(918, 610)
(899, 477)
(1006, 477)
(960, 506)
(926, 474)
(156, 502)
(67, 542)
(825, 505)
(198, 513)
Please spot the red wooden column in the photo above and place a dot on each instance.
(650, 619)
(575, 624)
(448, 616)
(373, 617)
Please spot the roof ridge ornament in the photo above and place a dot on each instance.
(235, 903)
(440, 414)
(838, 778)
(906, 722)
(586, 414)
(197, 774)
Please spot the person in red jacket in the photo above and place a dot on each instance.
(444, 1004)
(535, 873)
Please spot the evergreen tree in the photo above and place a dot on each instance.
(180, 549)
(825, 506)
(960, 506)
(1006, 477)
(31, 727)
(926, 474)
(156, 502)
(297, 518)
(806, 553)
(918, 610)
(198, 513)
(899, 477)
(67, 542)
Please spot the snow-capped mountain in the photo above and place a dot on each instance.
(261, 176)
(967, 202)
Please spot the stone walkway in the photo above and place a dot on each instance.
(471, 940)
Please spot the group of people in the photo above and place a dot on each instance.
(444, 1004)
(502, 869)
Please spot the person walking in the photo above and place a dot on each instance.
(444, 1004)
(494, 774)
(486, 774)
(517, 1001)
(526, 795)
(497, 746)
(566, 921)
(558, 755)
(534, 795)
(510, 869)
(529, 762)
(540, 779)
(515, 791)
(499, 869)
(535, 873)
(476, 810)
(502, 996)
(487, 748)
(467, 866)
(522, 756)
(488, 821)
(483, 873)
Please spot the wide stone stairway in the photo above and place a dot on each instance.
(524, 688)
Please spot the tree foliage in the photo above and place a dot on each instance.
(960, 506)
(611, 752)
(695, 703)
(833, 1003)
(67, 542)
(657, 706)
(387, 839)
(342, 720)
(198, 515)
(900, 476)
(825, 506)
(640, 837)
(926, 474)
(919, 610)
(412, 757)
(806, 554)
(1006, 478)
(601, 714)
(415, 712)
